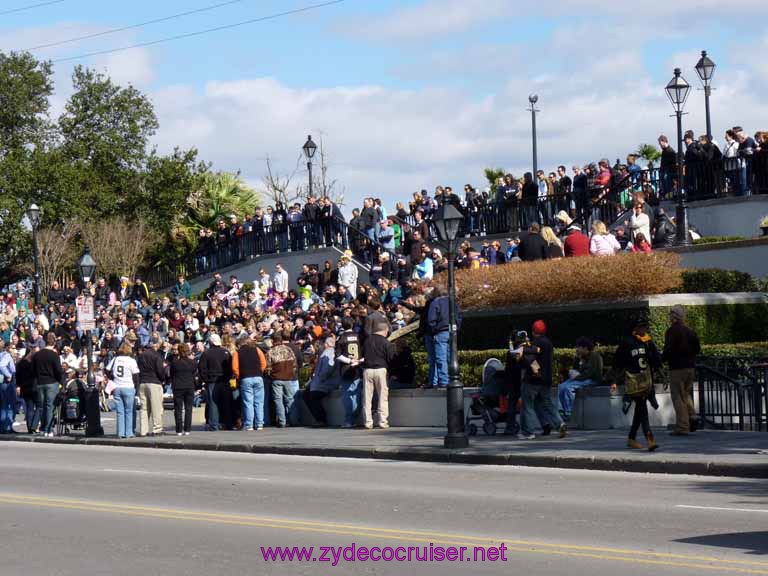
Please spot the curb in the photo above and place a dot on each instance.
(738, 470)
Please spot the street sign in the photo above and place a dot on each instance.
(85, 313)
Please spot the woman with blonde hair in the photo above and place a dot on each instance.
(601, 242)
(553, 242)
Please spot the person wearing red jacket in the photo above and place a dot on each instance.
(576, 243)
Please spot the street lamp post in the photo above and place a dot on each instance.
(705, 68)
(532, 99)
(677, 91)
(33, 214)
(447, 221)
(87, 268)
(309, 151)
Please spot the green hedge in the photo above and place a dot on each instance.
(471, 362)
(717, 239)
(718, 323)
(712, 280)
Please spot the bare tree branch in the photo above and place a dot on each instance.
(119, 246)
(56, 253)
(278, 186)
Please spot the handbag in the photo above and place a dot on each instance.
(637, 385)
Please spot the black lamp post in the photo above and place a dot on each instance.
(447, 221)
(705, 68)
(33, 214)
(677, 91)
(87, 268)
(532, 99)
(309, 151)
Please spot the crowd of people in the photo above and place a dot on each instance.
(249, 341)
(598, 191)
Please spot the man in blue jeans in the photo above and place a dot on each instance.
(248, 366)
(284, 361)
(46, 366)
(439, 329)
(348, 350)
(537, 384)
(7, 391)
(588, 373)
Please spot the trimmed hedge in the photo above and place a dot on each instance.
(713, 280)
(471, 362)
(717, 323)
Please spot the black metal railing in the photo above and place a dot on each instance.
(285, 238)
(735, 400)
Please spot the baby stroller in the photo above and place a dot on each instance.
(69, 409)
(490, 405)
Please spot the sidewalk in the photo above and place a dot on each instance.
(707, 452)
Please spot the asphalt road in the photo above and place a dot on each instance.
(72, 510)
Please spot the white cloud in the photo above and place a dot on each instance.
(389, 142)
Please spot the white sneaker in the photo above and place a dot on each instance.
(259, 428)
(249, 429)
(179, 434)
(522, 436)
(186, 433)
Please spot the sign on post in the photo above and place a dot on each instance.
(85, 314)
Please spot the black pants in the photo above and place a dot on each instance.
(182, 400)
(640, 418)
(314, 401)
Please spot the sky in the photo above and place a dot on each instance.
(409, 94)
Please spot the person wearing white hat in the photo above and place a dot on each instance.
(348, 274)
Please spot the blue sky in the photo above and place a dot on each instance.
(412, 93)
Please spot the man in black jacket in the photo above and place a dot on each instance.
(55, 293)
(681, 347)
(46, 366)
(667, 168)
(533, 246)
(215, 370)
(151, 378)
(666, 231)
(311, 214)
(537, 384)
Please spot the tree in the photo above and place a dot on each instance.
(649, 152)
(25, 134)
(279, 187)
(57, 252)
(493, 175)
(219, 195)
(118, 245)
(106, 131)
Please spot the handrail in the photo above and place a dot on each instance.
(725, 402)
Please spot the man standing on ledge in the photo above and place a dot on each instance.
(681, 347)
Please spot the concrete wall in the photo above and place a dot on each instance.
(594, 409)
(727, 217)
(746, 256)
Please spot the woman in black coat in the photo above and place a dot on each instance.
(183, 370)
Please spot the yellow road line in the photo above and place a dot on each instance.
(523, 546)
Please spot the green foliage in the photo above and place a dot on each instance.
(106, 131)
(471, 362)
(25, 135)
(719, 323)
(712, 280)
(219, 195)
(717, 239)
(649, 153)
(493, 175)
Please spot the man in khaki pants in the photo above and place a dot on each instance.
(151, 377)
(378, 353)
(681, 347)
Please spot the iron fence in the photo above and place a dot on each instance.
(733, 393)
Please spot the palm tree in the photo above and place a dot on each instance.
(220, 195)
(649, 152)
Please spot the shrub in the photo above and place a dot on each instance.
(716, 239)
(471, 362)
(623, 276)
(716, 280)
